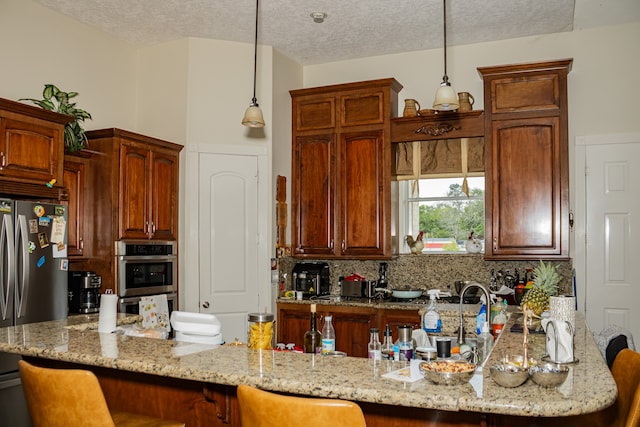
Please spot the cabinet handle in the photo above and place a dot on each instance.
(331, 245)
(2, 163)
(205, 304)
(495, 243)
(343, 245)
(81, 245)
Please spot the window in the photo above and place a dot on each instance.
(443, 212)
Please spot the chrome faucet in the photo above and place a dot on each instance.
(487, 295)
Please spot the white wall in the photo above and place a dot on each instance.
(39, 46)
(287, 75)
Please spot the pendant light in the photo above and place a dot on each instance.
(253, 115)
(446, 98)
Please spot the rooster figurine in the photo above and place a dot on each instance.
(416, 245)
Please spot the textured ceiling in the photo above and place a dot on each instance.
(352, 29)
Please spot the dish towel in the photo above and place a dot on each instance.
(154, 310)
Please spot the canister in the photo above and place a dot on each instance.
(260, 330)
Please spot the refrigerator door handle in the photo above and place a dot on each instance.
(7, 253)
(22, 288)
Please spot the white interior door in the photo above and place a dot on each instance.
(231, 264)
(613, 236)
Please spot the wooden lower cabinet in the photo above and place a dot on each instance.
(199, 404)
(352, 324)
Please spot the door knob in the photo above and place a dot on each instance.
(205, 304)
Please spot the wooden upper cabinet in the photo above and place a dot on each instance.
(31, 143)
(74, 180)
(341, 170)
(363, 205)
(526, 161)
(313, 192)
(144, 171)
(164, 194)
(148, 192)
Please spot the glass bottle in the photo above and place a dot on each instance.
(328, 336)
(387, 344)
(375, 348)
(484, 343)
(312, 338)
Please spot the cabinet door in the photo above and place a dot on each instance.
(528, 196)
(292, 323)
(31, 151)
(352, 332)
(164, 195)
(134, 191)
(313, 230)
(74, 179)
(361, 184)
(396, 318)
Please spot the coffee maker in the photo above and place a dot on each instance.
(312, 278)
(84, 292)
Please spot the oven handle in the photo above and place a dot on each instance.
(148, 258)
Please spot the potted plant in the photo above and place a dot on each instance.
(56, 100)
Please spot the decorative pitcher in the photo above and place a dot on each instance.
(411, 108)
(466, 100)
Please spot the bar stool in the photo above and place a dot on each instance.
(259, 408)
(626, 372)
(73, 398)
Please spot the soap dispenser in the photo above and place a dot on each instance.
(431, 321)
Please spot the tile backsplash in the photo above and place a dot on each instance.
(429, 271)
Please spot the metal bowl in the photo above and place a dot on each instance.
(448, 372)
(471, 292)
(549, 374)
(508, 375)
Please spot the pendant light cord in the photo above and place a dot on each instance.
(444, 13)
(254, 100)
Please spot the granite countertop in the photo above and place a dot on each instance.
(589, 387)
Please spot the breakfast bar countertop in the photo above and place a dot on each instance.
(588, 388)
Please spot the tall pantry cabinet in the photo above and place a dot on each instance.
(527, 161)
(341, 173)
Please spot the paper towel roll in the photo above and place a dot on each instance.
(108, 313)
(563, 308)
(109, 345)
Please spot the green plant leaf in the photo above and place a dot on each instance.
(49, 91)
(74, 135)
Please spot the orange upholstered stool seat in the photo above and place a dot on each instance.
(73, 398)
(259, 408)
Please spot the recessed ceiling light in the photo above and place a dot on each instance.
(318, 17)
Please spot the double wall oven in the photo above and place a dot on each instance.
(145, 268)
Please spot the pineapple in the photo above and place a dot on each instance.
(545, 284)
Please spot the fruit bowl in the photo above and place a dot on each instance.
(549, 374)
(508, 375)
(448, 372)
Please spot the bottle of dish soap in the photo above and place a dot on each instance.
(431, 321)
(481, 318)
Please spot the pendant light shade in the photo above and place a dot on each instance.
(253, 116)
(446, 98)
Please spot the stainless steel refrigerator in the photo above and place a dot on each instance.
(33, 283)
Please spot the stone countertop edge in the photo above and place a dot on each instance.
(589, 387)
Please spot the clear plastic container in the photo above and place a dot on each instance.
(260, 330)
